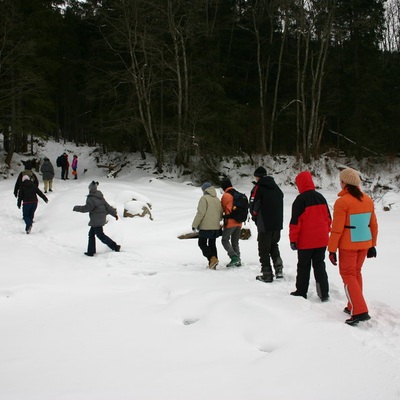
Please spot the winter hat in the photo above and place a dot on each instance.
(226, 183)
(25, 178)
(350, 176)
(93, 186)
(205, 186)
(260, 172)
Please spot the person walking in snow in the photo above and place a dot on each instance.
(47, 170)
(62, 161)
(207, 221)
(27, 196)
(232, 228)
(98, 209)
(26, 172)
(74, 166)
(309, 234)
(354, 233)
(266, 209)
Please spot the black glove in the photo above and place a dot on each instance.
(333, 258)
(293, 245)
(371, 252)
(194, 229)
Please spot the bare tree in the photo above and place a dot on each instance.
(314, 26)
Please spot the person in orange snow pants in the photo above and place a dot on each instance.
(354, 232)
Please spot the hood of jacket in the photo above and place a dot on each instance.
(211, 191)
(96, 193)
(268, 182)
(304, 182)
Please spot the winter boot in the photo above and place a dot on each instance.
(235, 262)
(278, 273)
(267, 278)
(213, 263)
(355, 319)
(298, 294)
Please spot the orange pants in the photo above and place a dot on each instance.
(350, 264)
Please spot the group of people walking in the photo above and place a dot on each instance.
(63, 163)
(352, 233)
(26, 188)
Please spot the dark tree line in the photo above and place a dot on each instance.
(202, 78)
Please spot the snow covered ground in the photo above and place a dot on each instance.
(151, 322)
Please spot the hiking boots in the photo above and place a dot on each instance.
(235, 262)
(278, 273)
(213, 263)
(355, 319)
(265, 278)
(298, 294)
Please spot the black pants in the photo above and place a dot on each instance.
(98, 231)
(208, 247)
(314, 257)
(268, 249)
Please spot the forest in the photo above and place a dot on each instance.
(202, 78)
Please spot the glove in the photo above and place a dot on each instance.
(371, 252)
(116, 217)
(293, 245)
(194, 229)
(19, 207)
(333, 258)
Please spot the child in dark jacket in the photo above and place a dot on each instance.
(98, 209)
(27, 196)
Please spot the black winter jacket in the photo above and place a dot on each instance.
(18, 183)
(266, 205)
(28, 192)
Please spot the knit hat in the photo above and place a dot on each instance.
(93, 186)
(350, 176)
(226, 183)
(260, 172)
(25, 178)
(205, 186)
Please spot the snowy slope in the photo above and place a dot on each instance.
(153, 323)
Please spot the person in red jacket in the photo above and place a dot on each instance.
(354, 233)
(309, 234)
(232, 228)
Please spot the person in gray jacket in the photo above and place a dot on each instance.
(47, 170)
(207, 221)
(98, 209)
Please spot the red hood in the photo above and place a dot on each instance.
(304, 182)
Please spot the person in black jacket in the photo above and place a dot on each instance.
(27, 171)
(266, 209)
(27, 196)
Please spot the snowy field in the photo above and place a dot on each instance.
(152, 323)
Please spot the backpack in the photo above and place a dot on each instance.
(59, 161)
(240, 206)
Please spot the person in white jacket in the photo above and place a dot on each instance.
(207, 221)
